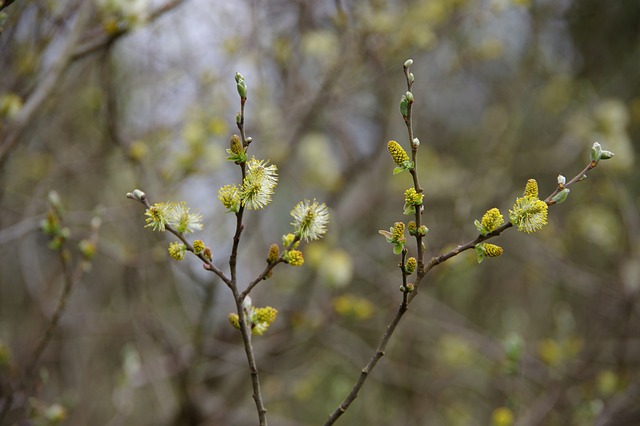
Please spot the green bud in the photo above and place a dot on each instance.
(560, 196)
(239, 118)
(422, 231)
(596, 151)
(411, 77)
(136, 195)
(415, 143)
(408, 63)
(404, 106)
(605, 155)
(409, 97)
(239, 77)
(242, 89)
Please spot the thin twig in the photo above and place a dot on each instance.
(239, 298)
(144, 200)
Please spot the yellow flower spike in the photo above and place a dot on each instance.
(410, 265)
(266, 314)
(491, 221)
(177, 250)
(237, 152)
(398, 231)
(274, 252)
(492, 250)
(234, 320)
(529, 214)
(397, 152)
(230, 198)
(412, 227)
(412, 198)
(198, 246)
(294, 258)
(235, 145)
(531, 189)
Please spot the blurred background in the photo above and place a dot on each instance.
(98, 98)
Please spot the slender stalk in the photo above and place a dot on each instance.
(373, 361)
(245, 329)
(408, 120)
(144, 200)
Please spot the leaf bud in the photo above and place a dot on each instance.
(561, 181)
(560, 196)
(596, 151)
(404, 106)
(605, 155)
(242, 89)
(408, 63)
(409, 97)
(136, 195)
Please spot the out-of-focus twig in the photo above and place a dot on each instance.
(5, 3)
(50, 81)
(104, 39)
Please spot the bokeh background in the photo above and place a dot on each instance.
(98, 98)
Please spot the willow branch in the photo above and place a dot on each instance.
(403, 307)
(208, 264)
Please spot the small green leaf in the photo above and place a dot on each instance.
(409, 210)
(481, 229)
(479, 253)
(561, 196)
